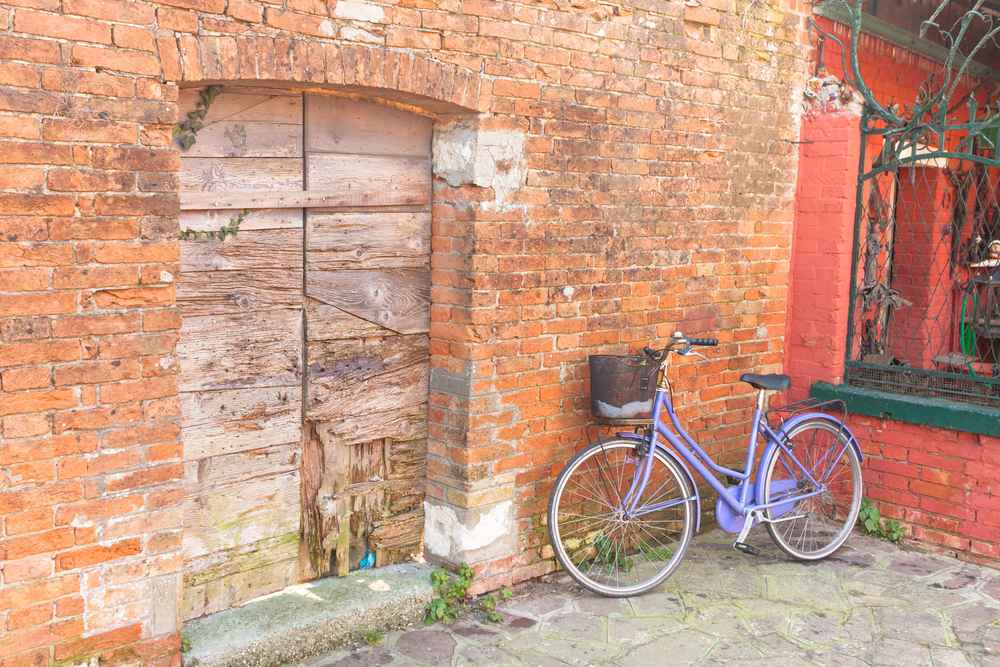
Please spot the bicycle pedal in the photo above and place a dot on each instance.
(746, 548)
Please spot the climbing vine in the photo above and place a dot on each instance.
(186, 131)
(231, 228)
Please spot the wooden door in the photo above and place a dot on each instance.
(240, 352)
(303, 347)
(367, 315)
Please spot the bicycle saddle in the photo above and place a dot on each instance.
(771, 382)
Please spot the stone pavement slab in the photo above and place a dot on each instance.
(871, 604)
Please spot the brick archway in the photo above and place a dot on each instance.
(407, 77)
(474, 154)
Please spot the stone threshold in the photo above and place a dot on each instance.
(305, 620)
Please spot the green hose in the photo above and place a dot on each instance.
(967, 334)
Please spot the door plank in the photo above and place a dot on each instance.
(233, 174)
(254, 220)
(217, 423)
(222, 579)
(238, 514)
(406, 459)
(228, 292)
(398, 299)
(364, 179)
(340, 125)
(239, 466)
(362, 389)
(407, 422)
(247, 250)
(246, 105)
(334, 198)
(256, 349)
(247, 138)
(326, 322)
(373, 240)
(398, 537)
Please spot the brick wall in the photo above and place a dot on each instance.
(821, 262)
(944, 486)
(660, 169)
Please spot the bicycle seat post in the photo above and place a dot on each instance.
(762, 400)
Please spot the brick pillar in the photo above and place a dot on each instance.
(469, 508)
(821, 250)
(921, 256)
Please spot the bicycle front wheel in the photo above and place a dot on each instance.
(606, 549)
(813, 528)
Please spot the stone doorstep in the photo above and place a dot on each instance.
(307, 619)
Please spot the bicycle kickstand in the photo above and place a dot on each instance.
(740, 544)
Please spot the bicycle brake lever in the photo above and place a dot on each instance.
(692, 353)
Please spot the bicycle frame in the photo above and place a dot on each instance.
(743, 504)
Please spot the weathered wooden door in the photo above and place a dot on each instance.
(367, 286)
(304, 344)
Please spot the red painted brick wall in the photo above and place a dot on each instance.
(944, 486)
(660, 176)
(922, 255)
(829, 150)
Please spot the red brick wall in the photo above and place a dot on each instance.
(821, 262)
(660, 173)
(944, 486)
(922, 256)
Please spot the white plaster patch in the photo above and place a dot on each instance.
(353, 34)
(445, 533)
(326, 27)
(500, 163)
(453, 151)
(359, 11)
(464, 154)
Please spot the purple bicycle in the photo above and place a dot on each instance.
(623, 511)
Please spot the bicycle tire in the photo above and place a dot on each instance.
(782, 532)
(685, 534)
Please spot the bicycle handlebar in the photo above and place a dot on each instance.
(676, 340)
(706, 342)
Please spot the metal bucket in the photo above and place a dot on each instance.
(622, 387)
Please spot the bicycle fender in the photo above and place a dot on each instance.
(789, 426)
(684, 469)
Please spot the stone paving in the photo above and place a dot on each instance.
(870, 604)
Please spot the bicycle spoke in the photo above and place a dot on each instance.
(826, 518)
(599, 543)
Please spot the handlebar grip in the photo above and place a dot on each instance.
(706, 342)
(651, 353)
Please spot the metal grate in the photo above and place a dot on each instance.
(926, 307)
(918, 382)
(925, 297)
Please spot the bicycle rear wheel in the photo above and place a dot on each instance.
(813, 528)
(604, 549)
